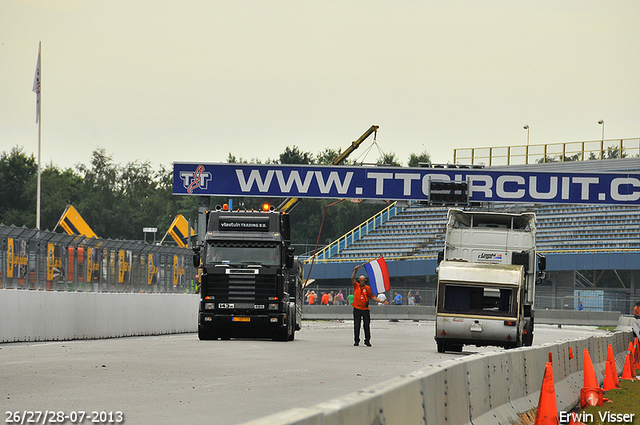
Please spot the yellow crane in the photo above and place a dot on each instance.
(288, 204)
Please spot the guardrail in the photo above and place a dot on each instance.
(424, 312)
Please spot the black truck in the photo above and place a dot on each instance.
(251, 284)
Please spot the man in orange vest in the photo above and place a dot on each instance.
(362, 295)
(636, 310)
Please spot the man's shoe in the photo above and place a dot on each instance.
(355, 344)
(368, 344)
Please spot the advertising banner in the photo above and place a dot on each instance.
(153, 269)
(16, 258)
(94, 256)
(178, 270)
(55, 263)
(401, 183)
(124, 266)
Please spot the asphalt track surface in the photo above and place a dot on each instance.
(178, 379)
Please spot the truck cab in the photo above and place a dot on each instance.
(250, 281)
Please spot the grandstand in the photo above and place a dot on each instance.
(596, 248)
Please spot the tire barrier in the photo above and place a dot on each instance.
(484, 389)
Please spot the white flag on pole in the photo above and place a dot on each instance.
(36, 86)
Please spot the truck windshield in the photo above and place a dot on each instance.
(478, 300)
(243, 253)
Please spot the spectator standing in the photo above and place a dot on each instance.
(339, 298)
(350, 299)
(410, 299)
(312, 298)
(331, 298)
(417, 298)
(397, 300)
(636, 310)
(325, 299)
(382, 298)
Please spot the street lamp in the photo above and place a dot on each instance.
(526, 160)
(601, 122)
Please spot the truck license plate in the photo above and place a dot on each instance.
(241, 319)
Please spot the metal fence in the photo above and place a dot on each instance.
(44, 260)
(548, 152)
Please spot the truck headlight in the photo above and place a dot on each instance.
(273, 306)
(208, 306)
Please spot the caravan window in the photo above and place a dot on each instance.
(477, 300)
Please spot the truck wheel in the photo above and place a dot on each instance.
(527, 338)
(292, 323)
(283, 333)
(442, 347)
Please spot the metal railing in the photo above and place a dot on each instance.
(44, 260)
(549, 152)
(356, 233)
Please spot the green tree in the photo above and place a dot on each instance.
(415, 160)
(294, 156)
(59, 189)
(17, 206)
(389, 159)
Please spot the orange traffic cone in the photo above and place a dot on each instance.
(547, 406)
(614, 370)
(591, 393)
(626, 371)
(608, 383)
(590, 379)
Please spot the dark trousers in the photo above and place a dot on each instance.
(366, 319)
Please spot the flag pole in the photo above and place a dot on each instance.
(39, 120)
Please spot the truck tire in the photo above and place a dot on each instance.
(527, 338)
(284, 333)
(292, 322)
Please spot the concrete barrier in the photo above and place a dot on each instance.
(49, 316)
(492, 388)
(405, 312)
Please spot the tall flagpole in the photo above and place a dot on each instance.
(37, 85)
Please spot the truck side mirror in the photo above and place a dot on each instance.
(542, 263)
(289, 260)
(196, 256)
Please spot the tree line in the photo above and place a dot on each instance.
(118, 201)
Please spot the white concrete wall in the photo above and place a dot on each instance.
(46, 316)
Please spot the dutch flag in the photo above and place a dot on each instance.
(378, 276)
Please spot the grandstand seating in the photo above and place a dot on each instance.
(418, 231)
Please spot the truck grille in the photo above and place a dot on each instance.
(241, 287)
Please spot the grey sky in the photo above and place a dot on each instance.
(168, 81)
